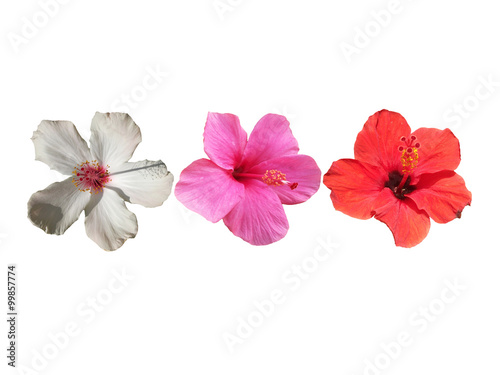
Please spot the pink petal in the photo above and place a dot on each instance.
(300, 169)
(271, 138)
(377, 144)
(355, 187)
(408, 224)
(224, 139)
(442, 195)
(439, 150)
(209, 190)
(259, 218)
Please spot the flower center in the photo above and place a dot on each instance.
(91, 177)
(395, 179)
(400, 183)
(272, 177)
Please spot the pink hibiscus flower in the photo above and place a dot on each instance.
(247, 182)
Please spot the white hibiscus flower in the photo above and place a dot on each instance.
(101, 179)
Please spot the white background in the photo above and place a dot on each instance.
(192, 280)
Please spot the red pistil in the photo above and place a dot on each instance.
(91, 177)
(409, 160)
(272, 177)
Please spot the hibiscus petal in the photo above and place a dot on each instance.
(442, 195)
(355, 187)
(439, 150)
(59, 145)
(57, 207)
(259, 218)
(377, 143)
(209, 190)
(271, 138)
(408, 224)
(145, 182)
(114, 138)
(108, 222)
(224, 139)
(300, 169)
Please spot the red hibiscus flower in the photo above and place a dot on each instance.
(401, 178)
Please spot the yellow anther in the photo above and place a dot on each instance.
(409, 159)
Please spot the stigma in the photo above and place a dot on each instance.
(409, 154)
(274, 177)
(91, 177)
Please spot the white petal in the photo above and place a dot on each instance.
(144, 182)
(108, 222)
(58, 144)
(57, 207)
(114, 138)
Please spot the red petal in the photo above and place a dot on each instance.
(355, 187)
(439, 150)
(442, 195)
(377, 144)
(224, 139)
(408, 224)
